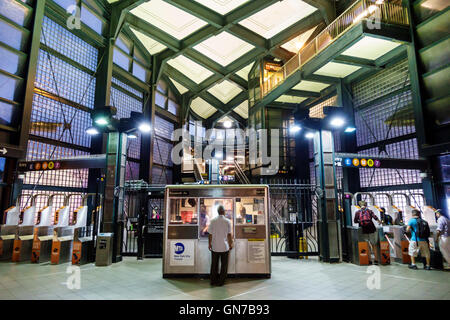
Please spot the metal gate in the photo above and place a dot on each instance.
(137, 192)
(293, 219)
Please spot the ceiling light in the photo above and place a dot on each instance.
(92, 131)
(350, 129)
(337, 122)
(144, 127)
(227, 124)
(295, 129)
(132, 136)
(309, 135)
(101, 121)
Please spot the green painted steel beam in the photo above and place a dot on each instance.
(153, 32)
(358, 62)
(325, 7)
(303, 93)
(297, 28)
(200, 11)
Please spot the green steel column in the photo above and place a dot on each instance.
(328, 220)
(113, 217)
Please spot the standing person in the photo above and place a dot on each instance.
(442, 235)
(220, 244)
(419, 240)
(364, 218)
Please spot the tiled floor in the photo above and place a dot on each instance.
(291, 279)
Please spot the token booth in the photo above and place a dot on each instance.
(189, 210)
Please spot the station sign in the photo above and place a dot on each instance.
(357, 162)
(85, 162)
(354, 160)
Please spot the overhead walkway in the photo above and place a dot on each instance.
(362, 40)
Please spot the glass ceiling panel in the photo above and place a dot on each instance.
(298, 42)
(222, 6)
(191, 69)
(225, 91)
(182, 89)
(202, 108)
(152, 46)
(224, 48)
(170, 19)
(277, 17)
(243, 73)
(242, 109)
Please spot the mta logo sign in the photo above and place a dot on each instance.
(179, 248)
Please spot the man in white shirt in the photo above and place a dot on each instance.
(220, 244)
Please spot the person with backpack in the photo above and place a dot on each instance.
(385, 218)
(364, 218)
(420, 232)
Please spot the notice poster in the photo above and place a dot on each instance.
(182, 252)
(256, 251)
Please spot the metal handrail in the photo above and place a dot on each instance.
(359, 11)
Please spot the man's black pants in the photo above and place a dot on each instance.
(217, 279)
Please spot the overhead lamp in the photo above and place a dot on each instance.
(92, 131)
(350, 129)
(309, 135)
(101, 121)
(131, 136)
(337, 122)
(144, 127)
(227, 124)
(295, 128)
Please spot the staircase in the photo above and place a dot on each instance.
(240, 174)
(432, 26)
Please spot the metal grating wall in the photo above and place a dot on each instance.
(58, 178)
(65, 69)
(383, 110)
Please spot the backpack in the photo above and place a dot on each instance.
(365, 218)
(423, 229)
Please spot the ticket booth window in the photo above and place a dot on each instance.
(250, 211)
(208, 211)
(183, 211)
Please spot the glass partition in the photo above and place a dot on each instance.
(250, 211)
(183, 211)
(208, 211)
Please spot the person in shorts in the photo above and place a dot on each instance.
(364, 218)
(417, 245)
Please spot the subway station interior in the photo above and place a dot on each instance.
(125, 125)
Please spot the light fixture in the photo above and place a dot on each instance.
(101, 121)
(144, 127)
(350, 129)
(227, 124)
(337, 122)
(309, 135)
(92, 131)
(131, 136)
(295, 129)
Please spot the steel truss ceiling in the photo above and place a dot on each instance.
(187, 33)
